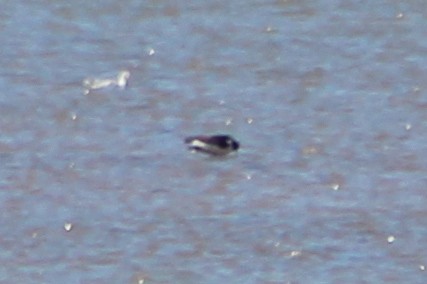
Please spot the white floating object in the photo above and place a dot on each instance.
(399, 16)
(295, 253)
(390, 239)
(151, 52)
(422, 267)
(141, 281)
(249, 120)
(120, 81)
(68, 226)
(269, 29)
(228, 121)
(408, 126)
(335, 186)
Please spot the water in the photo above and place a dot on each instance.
(326, 98)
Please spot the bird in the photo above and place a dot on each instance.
(121, 81)
(215, 145)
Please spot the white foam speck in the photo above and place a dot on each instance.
(295, 253)
(335, 186)
(68, 226)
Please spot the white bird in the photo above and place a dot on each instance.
(120, 81)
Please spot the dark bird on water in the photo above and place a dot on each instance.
(217, 145)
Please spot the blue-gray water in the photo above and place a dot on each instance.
(327, 98)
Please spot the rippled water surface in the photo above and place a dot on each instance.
(327, 98)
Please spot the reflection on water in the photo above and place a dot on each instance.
(327, 102)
